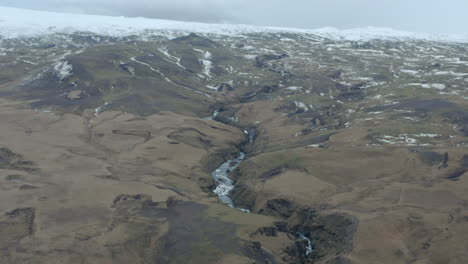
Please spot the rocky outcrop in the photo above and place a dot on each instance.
(279, 207)
(261, 61)
(15, 226)
(225, 87)
(243, 196)
(257, 254)
(10, 160)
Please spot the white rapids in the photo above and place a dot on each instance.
(225, 184)
(309, 249)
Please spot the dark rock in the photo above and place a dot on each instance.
(12, 161)
(254, 251)
(191, 136)
(380, 77)
(335, 75)
(27, 187)
(173, 201)
(196, 40)
(351, 96)
(298, 250)
(279, 207)
(361, 45)
(339, 260)
(418, 105)
(282, 227)
(225, 119)
(464, 161)
(188, 228)
(24, 215)
(268, 231)
(260, 61)
(48, 46)
(127, 68)
(341, 87)
(274, 172)
(358, 86)
(455, 176)
(332, 235)
(137, 133)
(223, 87)
(243, 195)
(445, 161)
(434, 66)
(270, 89)
(248, 96)
(432, 158)
(129, 197)
(458, 117)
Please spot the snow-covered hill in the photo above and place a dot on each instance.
(16, 23)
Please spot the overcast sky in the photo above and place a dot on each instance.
(432, 16)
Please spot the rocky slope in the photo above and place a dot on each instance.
(356, 151)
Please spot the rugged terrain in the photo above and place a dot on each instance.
(356, 151)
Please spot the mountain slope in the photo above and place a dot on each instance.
(263, 146)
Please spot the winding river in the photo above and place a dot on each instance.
(225, 184)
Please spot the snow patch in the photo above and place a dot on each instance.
(63, 69)
(438, 86)
(302, 106)
(402, 139)
(294, 88)
(207, 66)
(452, 73)
(172, 58)
(407, 139)
(212, 87)
(99, 109)
(412, 72)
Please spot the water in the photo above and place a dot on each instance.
(215, 114)
(98, 110)
(302, 236)
(224, 184)
(309, 249)
(221, 175)
(251, 133)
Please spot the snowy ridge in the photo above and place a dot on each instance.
(15, 22)
(368, 33)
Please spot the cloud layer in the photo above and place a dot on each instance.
(416, 15)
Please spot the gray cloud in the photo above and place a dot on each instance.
(413, 15)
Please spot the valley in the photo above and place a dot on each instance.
(254, 147)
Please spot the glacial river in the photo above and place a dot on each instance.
(225, 184)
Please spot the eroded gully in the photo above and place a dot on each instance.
(224, 184)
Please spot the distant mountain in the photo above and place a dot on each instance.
(15, 22)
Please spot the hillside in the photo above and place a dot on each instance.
(149, 141)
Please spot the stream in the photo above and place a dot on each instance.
(224, 184)
(309, 249)
(303, 236)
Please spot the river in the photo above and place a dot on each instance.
(225, 184)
